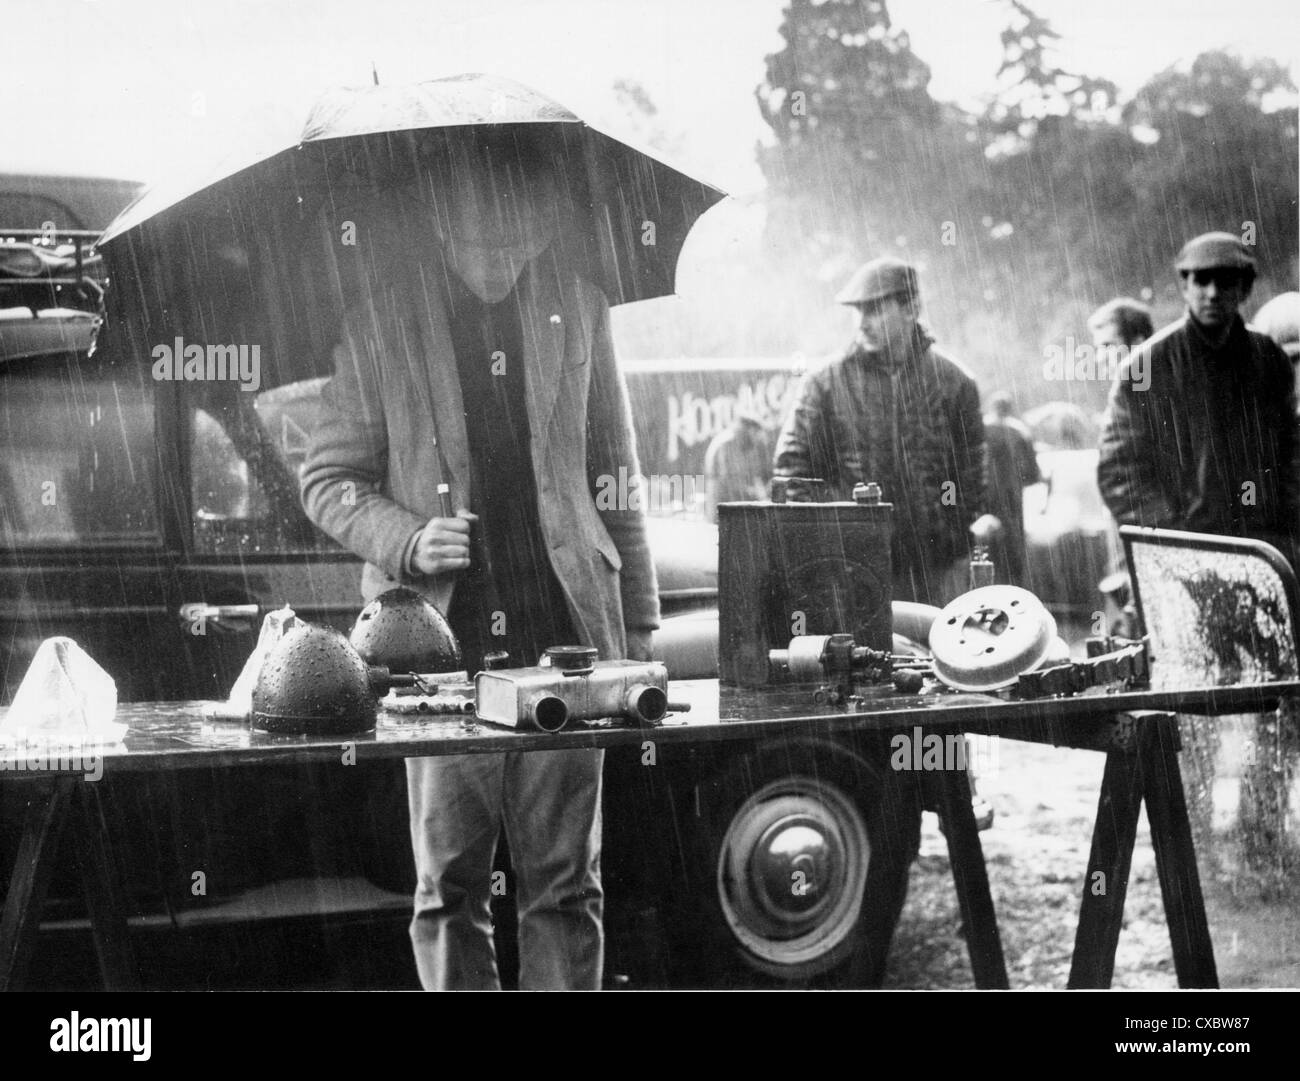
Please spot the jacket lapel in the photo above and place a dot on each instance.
(544, 332)
(542, 318)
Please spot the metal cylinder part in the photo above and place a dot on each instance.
(547, 712)
(645, 703)
(987, 638)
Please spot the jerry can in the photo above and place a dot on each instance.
(801, 566)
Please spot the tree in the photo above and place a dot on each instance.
(1215, 159)
(848, 102)
(1034, 92)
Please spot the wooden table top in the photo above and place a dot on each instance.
(178, 735)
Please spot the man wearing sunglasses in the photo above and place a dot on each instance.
(1207, 440)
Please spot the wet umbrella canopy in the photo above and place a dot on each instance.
(260, 252)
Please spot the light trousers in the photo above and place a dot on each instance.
(548, 803)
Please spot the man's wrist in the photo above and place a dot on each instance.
(408, 555)
(639, 643)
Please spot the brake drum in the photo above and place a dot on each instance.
(987, 638)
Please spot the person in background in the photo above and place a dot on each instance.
(896, 410)
(1201, 434)
(738, 461)
(1200, 431)
(1012, 467)
(1280, 320)
(1122, 323)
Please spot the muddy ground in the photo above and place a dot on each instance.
(1036, 852)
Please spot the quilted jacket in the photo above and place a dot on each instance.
(913, 425)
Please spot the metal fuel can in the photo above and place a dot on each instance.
(804, 566)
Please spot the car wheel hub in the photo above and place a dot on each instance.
(791, 874)
(792, 866)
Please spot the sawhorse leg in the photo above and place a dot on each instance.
(891, 862)
(102, 888)
(47, 809)
(1146, 768)
(970, 877)
(1171, 837)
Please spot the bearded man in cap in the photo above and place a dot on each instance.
(1207, 439)
(895, 410)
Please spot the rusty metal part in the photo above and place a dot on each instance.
(434, 704)
(988, 637)
(314, 682)
(800, 564)
(813, 657)
(402, 631)
(842, 666)
(1129, 665)
(573, 686)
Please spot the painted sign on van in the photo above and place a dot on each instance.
(678, 407)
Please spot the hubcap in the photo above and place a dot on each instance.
(791, 873)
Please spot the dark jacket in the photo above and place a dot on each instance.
(371, 472)
(913, 426)
(1210, 445)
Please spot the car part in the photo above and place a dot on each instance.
(1129, 665)
(794, 864)
(988, 637)
(403, 632)
(800, 568)
(571, 685)
(313, 682)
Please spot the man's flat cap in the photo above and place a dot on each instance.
(1210, 251)
(880, 278)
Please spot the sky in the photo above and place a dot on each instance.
(148, 89)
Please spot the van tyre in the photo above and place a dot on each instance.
(799, 867)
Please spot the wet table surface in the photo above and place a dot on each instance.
(176, 735)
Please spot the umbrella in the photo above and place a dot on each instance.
(250, 255)
(634, 209)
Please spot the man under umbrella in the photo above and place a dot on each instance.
(477, 357)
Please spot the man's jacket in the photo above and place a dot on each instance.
(1204, 438)
(913, 426)
(393, 426)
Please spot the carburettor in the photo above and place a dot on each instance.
(841, 665)
(570, 684)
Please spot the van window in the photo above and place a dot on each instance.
(245, 450)
(77, 463)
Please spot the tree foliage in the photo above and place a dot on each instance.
(1026, 216)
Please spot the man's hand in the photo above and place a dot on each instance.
(443, 544)
(986, 528)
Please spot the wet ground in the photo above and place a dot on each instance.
(1037, 852)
